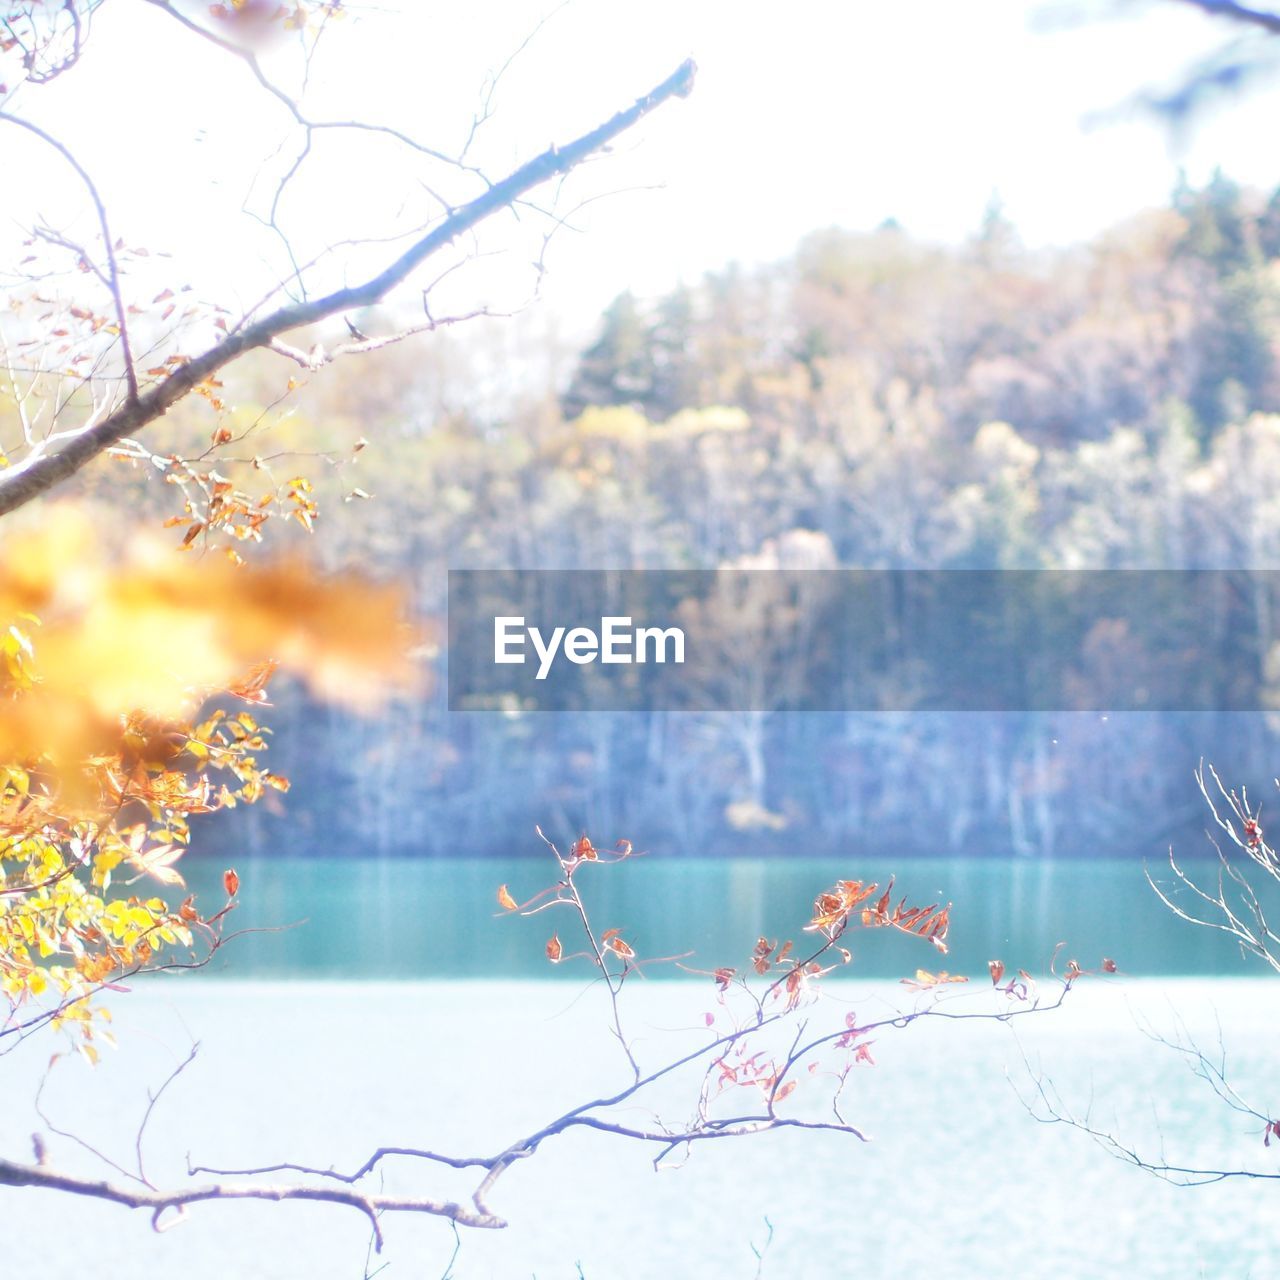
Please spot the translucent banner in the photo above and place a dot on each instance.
(864, 640)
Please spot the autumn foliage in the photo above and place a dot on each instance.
(110, 743)
(761, 1035)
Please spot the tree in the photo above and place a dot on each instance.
(1231, 903)
(769, 1037)
(128, 678)
(868, 405)
(125, 393)
(617, 368)
(1234, 901)
(131, 679)
(1217, 231)
(1269, 227)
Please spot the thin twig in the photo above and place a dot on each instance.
(31, 477)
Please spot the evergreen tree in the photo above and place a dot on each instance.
(675, 381)
(1218, 232)
(618, 368)
(1233, 344)
(1269, 228)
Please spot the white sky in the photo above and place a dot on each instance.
(808, 114)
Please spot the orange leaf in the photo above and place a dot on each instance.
(252, 685)
(997, 970)
(924, 979)
(554, 950)
(231, 882)
(505, 900)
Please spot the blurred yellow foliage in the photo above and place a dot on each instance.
(94, 637)
(106, 657)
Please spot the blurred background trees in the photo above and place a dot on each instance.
(1111, 405)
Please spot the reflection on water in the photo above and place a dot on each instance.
(406, 918)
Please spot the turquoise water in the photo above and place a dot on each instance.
(432, 919)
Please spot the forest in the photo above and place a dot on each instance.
(868, 402)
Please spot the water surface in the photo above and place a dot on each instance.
(957, 1181)
(419, 918)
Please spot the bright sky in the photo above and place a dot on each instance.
(808, 114)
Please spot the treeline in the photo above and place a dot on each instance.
(869, 402)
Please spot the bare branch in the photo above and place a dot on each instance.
(112, 280)
(31, 477)
(319, 355)
(1238, 13)
(754, 1052)
(248, 57)
(1047, 1107)
(1231, 905)
(13, 1174)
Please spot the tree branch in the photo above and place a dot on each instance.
(1238, 13)
(40, 1175)
(248, 57)
(28, 479)
(112, 278)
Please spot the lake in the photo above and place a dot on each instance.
(958, 1181)
(419, 918)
